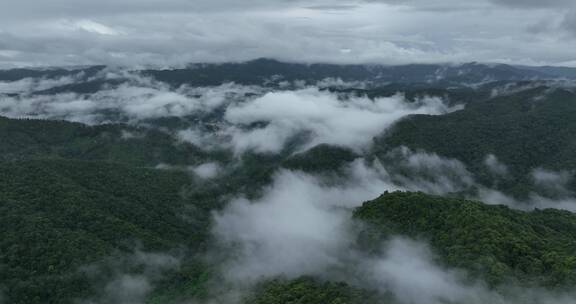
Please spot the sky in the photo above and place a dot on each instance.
(175, 32)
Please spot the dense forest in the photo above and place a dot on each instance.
(168, 206)
(492, 241)
(526, 130)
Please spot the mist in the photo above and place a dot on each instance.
(132, 97)
(249, 149)
(352, 122)
(301, 224)
(128, 278)
(27, 85)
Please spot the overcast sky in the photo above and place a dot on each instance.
(173, 32)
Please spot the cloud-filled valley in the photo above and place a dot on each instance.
(287, 152)
(265, 179)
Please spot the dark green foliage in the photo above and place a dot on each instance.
(189, 282)
(526, 130)
(58, 215)
(264, 71)
(28, 138)
(72, 195)
(320, 159)
(87, 87)
(307, 290)
(261, 70)
(491, 241)
(18, 74)
(562, 72)
(414, 92)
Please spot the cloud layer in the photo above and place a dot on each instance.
(322, 116)
(174, 32)
(302, 226)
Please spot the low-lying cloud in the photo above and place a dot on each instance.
(134, 99)
(128, 279)
(254, 118)
(302, 225)
(407, 269)
(325, 118)
(299, 226)
(33, 84)
(428, 172)
(207, 170)
(176, 32)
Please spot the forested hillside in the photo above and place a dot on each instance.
(59, 215)
(270, 182)
(525, 130)
(495, 242)
(28, 138)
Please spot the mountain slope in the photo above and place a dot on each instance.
(308, 290)
(494, 242)
(267, 70)
(29, 138)
(526, 130)
(58, 215)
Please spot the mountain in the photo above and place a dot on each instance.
(562, 72)
(495, 242)
(312, 291)
(28, 138)
(267, 70)
(22, 73)
(271, 72)
(61, 215)
(524, 130)
(162, 195)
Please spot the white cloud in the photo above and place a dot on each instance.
(549, 178)
(207, 170)
(124, 285)
(495, 166)
(91, 26)
(300, 226)
(352, 122)
(28, 85)
(408, 270)
(428, 172)
(136, 99)
(127, 289)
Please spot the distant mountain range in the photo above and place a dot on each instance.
(269, 71)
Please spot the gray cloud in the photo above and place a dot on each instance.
(556, 182)
(569, 22)
(173, 32)
(535, 3)
(527, 4)
(495, 166)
